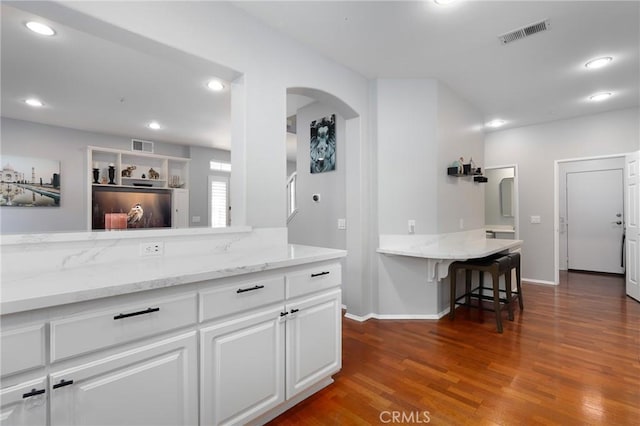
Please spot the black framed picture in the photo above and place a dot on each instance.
(322, 148)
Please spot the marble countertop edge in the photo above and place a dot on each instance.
(43, 292)
(475, 249)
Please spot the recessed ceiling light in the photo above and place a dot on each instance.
(34, 102)
(600, 96)
(154, 125)
(495, 123)
(443, 2)
(40, 28)
(215, 85)
(598, 62)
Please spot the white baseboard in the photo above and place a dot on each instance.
(398, 316)
(542, 282)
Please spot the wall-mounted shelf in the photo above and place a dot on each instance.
(170, 172)
(477, 174)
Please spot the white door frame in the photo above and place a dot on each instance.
(556, 205)
(516, 196)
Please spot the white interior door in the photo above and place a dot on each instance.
(632, 207)
(595, 220)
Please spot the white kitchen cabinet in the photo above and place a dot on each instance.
(24, 404)
(313, 340)
(242, 367)
(154, 384)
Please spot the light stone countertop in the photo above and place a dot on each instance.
(453, 250)
(97, 281)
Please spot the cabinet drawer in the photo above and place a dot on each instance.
(313, 279)
(22, 349)
(230, 299)
(85, 333)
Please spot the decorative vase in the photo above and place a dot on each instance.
(96, 175)
(112, 175)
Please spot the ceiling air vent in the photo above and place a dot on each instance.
(524, 32)
(141, 146)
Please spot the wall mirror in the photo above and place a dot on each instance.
(102, 86)
(506, 197)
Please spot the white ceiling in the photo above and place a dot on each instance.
(98, 84)
(90, 83)
(533, 80)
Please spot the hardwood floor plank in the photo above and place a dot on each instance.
(571, 358)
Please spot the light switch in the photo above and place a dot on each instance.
(535, 219)
(195, 219)
(412, 226)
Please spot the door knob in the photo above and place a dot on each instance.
(617, 222)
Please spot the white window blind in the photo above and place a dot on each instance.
(219, 201)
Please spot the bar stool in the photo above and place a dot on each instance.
(495, 266)
(515, 264)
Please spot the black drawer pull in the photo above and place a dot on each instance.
(293, 311)
(63, 383)
(133, 314)
(320, 274)
(255, 287)
(33, 392)
(284, 314)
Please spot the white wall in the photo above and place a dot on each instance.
(459, 134)
(407, 150)
(315, 223)
(534, 149)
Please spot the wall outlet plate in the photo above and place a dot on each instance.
(151, 249)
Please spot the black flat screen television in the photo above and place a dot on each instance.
(146, 208)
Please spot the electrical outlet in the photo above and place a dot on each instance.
(535, 219)
(151, 249)
(342, 223)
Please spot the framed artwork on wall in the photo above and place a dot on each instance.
(322, 148)
(29, 182)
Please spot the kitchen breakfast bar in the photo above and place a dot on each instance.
(437, 252)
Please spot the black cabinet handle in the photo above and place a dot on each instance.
(255, 287)
(133, 314)
(320, 274)
(283, 314)
(33, 392)
(293, 311)
(63, 383)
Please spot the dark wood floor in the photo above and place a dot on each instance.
(571, 358)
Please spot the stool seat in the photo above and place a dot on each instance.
(495, 266)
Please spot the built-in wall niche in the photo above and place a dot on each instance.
(122, 168)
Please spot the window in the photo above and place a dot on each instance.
(219, 201)
(219, 166)
(292, 206)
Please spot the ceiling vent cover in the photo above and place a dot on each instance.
(141, 146)
(524, 31)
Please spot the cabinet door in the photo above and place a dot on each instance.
(314, 340)
(154, 384)
(242, 367)
(24, 404)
